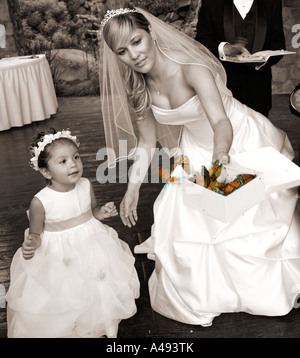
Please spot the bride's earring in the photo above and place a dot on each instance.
(150, 29)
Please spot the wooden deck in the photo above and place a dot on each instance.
(18, 184)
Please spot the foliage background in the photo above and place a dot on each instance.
(54, 26)
(49, 24)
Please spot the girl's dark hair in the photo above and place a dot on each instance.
(44, 155)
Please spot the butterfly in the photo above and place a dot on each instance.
(239, 181)
(164, 174)
(208, 179)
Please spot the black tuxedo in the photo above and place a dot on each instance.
(217, 22)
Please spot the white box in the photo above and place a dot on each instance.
(225, 208)
(274, 172)
(279, 172)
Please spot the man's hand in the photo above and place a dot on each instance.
(233, 50)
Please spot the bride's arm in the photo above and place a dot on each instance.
(202, 81)
(143, 156)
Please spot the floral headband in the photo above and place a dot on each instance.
(47, 139)
(112, 13)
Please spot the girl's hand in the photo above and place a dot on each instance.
(30, 245)
(128, 208)
(108, 210)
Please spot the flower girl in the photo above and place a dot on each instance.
(73, 276)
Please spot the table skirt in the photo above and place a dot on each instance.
(27, 91)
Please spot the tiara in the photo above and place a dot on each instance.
(112, 13)
(47, 139)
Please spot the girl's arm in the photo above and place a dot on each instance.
(202, 81)
(143, 156)
(102, 212)
(36, 226)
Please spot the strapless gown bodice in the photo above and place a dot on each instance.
(251, 129)
(188, 115)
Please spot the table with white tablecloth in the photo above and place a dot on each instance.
(27, 92)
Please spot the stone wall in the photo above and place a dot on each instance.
(286, 74)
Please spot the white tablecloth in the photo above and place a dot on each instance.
(27, 92)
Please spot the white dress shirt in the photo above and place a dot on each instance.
(243, 7)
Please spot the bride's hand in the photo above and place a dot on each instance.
(128, 208)
(225, 159)
(222, 157)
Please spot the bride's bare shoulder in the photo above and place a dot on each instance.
(178, 56)
(184, 58)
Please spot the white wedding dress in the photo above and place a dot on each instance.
(204, 267)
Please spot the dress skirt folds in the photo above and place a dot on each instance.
(80, 283)
(204, 267)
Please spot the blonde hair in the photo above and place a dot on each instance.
(135, 84)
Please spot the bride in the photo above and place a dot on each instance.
(177, 90)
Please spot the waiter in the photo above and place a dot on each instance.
(231, 27)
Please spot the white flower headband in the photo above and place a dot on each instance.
(47, 139)
(112, 13)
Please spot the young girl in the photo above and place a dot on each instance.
(73, 276)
